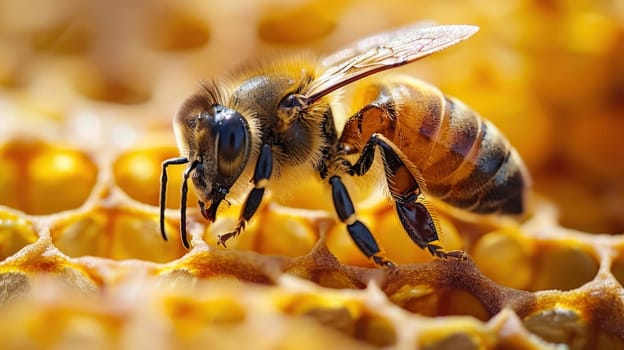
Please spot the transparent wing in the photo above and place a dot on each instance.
(384, 51)
(362, 45)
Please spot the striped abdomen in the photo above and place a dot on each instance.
(463, 158)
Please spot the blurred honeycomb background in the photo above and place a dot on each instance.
(88, 90)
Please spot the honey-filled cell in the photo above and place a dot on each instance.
(125, 83)
(421, 299)
(174, 28)
(342, 247)
(505, 256)
(43, 178)
(15, 234)
(282, 233)
(299, 23)
(83, 235)
(115, 234)
(562, 265)
(136, 235)
(138, 174)
(59, 180)
(398, 245)
(345, 316)
(560, 325)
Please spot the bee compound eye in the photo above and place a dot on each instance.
(233, 138)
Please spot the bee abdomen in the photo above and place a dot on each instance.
(463, 158)
(472, 166)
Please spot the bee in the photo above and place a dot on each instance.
(273, 122)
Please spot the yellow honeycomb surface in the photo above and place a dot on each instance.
(88, 90)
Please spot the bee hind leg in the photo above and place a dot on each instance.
(360, 234)
(262, 174)
(405, 189)
(421, 229)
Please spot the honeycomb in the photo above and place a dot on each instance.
(87, 94)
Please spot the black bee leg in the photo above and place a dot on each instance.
(360, 234)
(404, 187)
(184, 192)
(163, 190)
(262, 173)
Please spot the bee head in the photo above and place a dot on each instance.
(218, 139)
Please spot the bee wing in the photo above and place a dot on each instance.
(362, 45)
(384, 51)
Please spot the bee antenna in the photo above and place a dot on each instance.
(163, 190)
(184, 191)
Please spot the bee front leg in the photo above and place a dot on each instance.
(262, 173)
(404, 187)
(360, 234)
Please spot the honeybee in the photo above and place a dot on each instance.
(274, 120)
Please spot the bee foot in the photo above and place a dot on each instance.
(437, 251)
(226, 237)
(381, 261)
(457, 254)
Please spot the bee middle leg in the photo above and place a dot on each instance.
(360, 234)
(405, 190)
(262, 174)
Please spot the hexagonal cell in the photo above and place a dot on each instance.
(392, 238)
(560, 325)
(283, 233)
(15, 234)
(114, 233)
(174, 28)
(563, 265)
(299, 24)
(342, 247)
(138, 173)
(460, 302)
(505, 257)
(82, 235)
(273, 230)
(227, 219)
(427, 300)
(122, 84)
(346, 316)
(398, 246)
(137, 236)
(422, 299)
(43, 179)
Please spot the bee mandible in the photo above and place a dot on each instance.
(273, 120)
